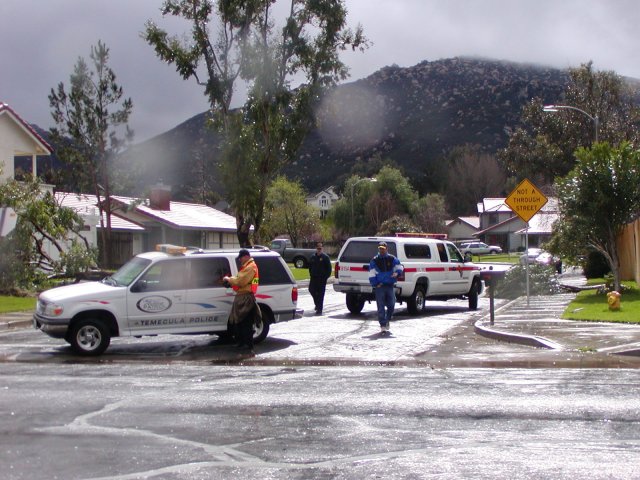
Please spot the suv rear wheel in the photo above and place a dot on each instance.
(415, 303)
(261, 328)
(355, 303)
(300, 262)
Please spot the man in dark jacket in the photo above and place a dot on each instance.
(384, 269)
(319, 272)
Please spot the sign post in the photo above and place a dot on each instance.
(526, 200)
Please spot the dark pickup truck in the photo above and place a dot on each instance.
(298, 256)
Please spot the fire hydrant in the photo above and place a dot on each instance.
(613, 299)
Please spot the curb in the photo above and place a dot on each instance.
(481, 327)
(15, 324)
(529, 340)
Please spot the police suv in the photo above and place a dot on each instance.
(433, 269)
(173, 290)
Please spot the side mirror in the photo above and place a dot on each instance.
(139, 286)
(467, 257)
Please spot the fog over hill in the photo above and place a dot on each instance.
(410, 115)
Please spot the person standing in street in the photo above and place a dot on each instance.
(384, 269)
(245, 312)
(319, 273)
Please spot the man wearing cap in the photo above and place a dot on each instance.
(384, 269)
(245, 311)
(319, 272)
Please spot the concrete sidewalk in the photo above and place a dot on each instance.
(538, 324)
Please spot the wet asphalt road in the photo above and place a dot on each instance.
(326, 398)
(115, 421)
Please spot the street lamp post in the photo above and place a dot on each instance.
(594, 118)
(353, 187)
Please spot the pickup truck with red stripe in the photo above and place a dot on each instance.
(434, 269)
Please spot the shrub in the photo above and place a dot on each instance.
(542, 281)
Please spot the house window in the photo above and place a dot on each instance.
(324, 201)
(22, 166)
(493, 218)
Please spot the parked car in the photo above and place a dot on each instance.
(540, 257)
(433, 269)
(170, 291)
(479, 248)
(530, 255)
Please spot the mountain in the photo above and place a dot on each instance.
(411, 115)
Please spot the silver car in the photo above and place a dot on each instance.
(479, 248)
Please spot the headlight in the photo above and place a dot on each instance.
(49, 309)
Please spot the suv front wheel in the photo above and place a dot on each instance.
(473, 295)
(89, 337)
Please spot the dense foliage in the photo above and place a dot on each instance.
(237, 40)
(598, 197)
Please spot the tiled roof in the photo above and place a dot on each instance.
(87, 205)
(186, 215)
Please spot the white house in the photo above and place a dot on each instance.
(19, 143)
(20, 146)
(323, 200)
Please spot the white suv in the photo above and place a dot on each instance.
(433, 269)
(171, 291)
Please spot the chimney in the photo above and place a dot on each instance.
(160, 197)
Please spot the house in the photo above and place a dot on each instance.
(126, 236)
(323, 200)
(462, 228)
(500, 226)
(138, 225)
(20, 148)
(168, 221)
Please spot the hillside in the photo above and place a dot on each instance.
(412, 115)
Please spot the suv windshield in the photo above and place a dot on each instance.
(364, 251)
(129, 272)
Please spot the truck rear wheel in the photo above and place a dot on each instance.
(300, 262)
(415, 303)
(355, 303)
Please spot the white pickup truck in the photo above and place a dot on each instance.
(433, 269)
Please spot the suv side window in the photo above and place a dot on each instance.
(442, 252)
(454, 254)
(417, 251)
(165, 275)
(272, 271)
(208, 272)
(364, 251)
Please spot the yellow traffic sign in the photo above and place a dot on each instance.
(526, 200)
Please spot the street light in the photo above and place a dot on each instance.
(594, 119)
(353, 187)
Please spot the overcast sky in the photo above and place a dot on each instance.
(41, 40)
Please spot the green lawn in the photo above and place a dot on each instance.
(500, 257)
(299, 273)
(590, 305)
(16, 304)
